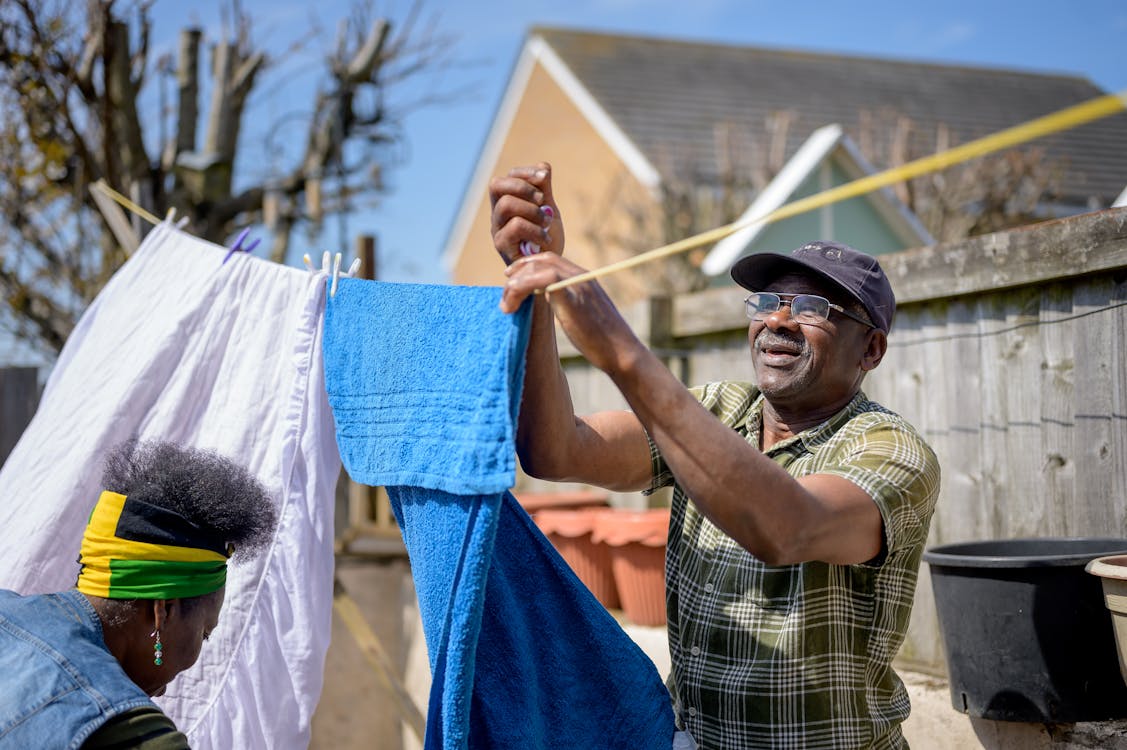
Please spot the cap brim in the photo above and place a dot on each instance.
(755, 272)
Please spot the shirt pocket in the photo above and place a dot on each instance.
(748, 582)
(774, 588)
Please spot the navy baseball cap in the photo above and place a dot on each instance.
(857, 273)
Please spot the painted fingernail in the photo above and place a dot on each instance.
(548, 214)
(541, 174)
(528, 248)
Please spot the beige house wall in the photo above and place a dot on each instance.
(593, 188)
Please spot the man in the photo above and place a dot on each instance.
(800, 507)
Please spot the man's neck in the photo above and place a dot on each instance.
(781, 423)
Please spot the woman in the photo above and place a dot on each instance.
(80, 665)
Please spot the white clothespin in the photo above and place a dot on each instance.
(170, 218)
(333, 269)
(336, 275)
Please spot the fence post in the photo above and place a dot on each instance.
(19, 397)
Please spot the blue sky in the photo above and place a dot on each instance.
(1086, 37)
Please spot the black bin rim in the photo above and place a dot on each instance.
(1024, 552)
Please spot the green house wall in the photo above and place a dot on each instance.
(855, 222)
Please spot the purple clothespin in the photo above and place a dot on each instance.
(531, 248)
(238, 245)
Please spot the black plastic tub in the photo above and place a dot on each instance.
(1026, 632)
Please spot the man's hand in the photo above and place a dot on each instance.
(585, 312)
(525, 213)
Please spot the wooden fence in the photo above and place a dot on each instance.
(1009, 353)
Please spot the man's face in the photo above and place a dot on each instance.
(807, 366)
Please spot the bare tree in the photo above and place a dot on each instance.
(988, 194)
(70, 97)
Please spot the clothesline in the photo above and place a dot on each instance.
(109, 192)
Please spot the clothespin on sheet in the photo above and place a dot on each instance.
(170, 218)
(353, 269)
(238, 245)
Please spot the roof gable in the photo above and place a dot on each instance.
(536, 52)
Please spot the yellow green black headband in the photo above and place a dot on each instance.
(134, 550)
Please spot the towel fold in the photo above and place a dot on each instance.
(424, 383)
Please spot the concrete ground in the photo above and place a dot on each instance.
(356, 709)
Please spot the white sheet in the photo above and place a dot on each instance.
(228, 357)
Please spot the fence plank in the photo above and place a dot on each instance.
(1116, 322)
(1019, 370)
(1090, 509)
(1058, 407)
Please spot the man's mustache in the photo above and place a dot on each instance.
(773, 339)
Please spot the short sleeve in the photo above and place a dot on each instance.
(893, 464)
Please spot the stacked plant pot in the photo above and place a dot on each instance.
(636, 540)
(569, 531)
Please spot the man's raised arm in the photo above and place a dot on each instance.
(607, 449)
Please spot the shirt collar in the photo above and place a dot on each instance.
(810, 439)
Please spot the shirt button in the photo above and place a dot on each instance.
(692, 712)
(708, 588)
(695, 651)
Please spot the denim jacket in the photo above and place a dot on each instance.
(58, 682)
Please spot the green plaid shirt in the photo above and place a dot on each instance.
(798, 656)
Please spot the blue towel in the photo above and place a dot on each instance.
(425, 382)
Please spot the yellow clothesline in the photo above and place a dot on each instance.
(1064, 119)
(109, 192)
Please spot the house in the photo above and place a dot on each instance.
(626, 120)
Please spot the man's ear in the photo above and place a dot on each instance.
(876, 344)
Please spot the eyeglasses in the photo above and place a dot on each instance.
(804, 308)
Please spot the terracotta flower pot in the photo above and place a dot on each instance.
(1113, 574)
(534, 502)
(569, 531)
(637, 543)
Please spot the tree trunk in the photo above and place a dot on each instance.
(188, 83)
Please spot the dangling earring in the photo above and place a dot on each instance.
(158, 649)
